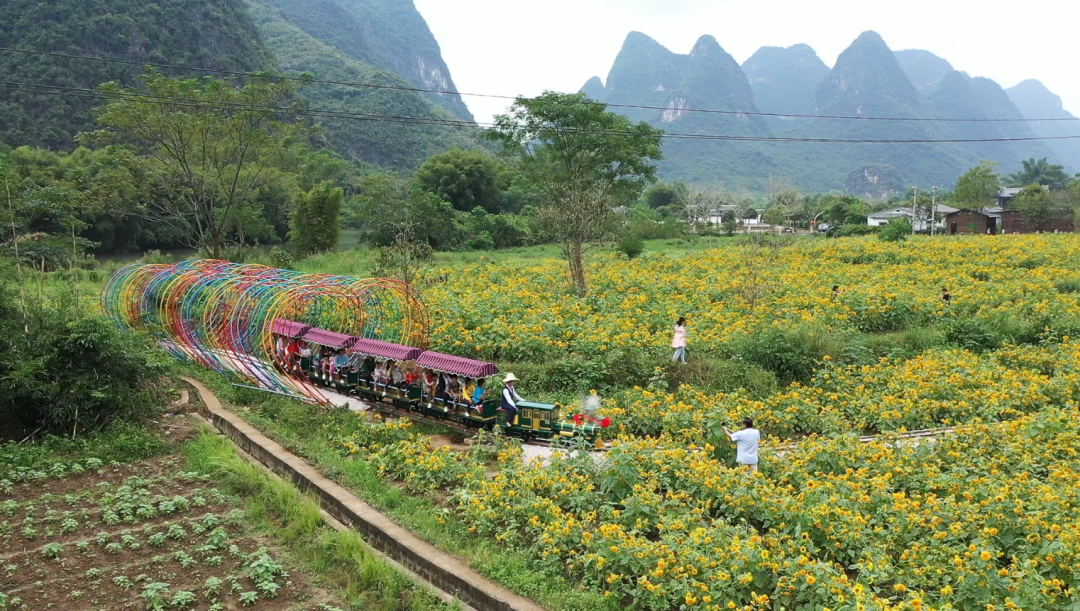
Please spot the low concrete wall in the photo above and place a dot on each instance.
(437, 567)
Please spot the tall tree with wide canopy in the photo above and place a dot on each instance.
(587, 162)
(466, 179)
(210, 145)
(978, 187)
(1040, 171)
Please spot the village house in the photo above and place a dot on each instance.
(999, 219)
(884, 217)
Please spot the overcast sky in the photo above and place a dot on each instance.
(521, 47)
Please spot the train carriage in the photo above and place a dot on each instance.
(329, 343)
(287, 331)
(362, 378)
(477, 416)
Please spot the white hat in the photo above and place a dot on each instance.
(509, 378)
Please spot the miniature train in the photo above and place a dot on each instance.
(349, 364)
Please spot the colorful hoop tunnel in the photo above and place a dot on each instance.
(221, 314)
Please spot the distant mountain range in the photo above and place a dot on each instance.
(385, 43)
(868, 80)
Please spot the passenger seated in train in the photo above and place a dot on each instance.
(397, 376)
(412, 374)
(292, 353)
(467, 388)
(477, 398)
(382, 376)
(453, 391)
(342, 363)
(430, 384)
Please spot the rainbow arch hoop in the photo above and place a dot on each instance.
(221, 314)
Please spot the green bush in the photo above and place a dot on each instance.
(851, 230)
(895, 231)
(631, 245)
(722, 375)
(282, 258)
(1070, 285)
(68, 371)
(793, 353)
(971, 334)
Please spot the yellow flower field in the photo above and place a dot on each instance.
(986, 517)
(523, 311)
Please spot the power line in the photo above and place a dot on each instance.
(508, 97)
(55, 90)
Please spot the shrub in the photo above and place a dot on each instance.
(631, 245)
(792, 354)
(282, 258)
(895, 231)
(971, 334)
(1070, 285)
(75, 374)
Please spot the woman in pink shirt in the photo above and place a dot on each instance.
(679, 341)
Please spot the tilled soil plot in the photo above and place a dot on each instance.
(147, 535)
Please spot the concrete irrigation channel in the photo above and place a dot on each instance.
(441, 570)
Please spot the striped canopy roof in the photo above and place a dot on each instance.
(456, 365)
(386, 350)
(329, 339)
(289, 328)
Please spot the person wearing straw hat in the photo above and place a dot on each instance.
(510, 398)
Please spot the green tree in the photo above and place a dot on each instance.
(1040, 172)
(844, 210)
(385, 206)
(315, 225)
(895, 231)
(588, 161)
(664, 194)
(978, 188)
(1037, 206)
(466, 179)
(209, 145)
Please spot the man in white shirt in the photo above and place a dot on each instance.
(510, 398)
(746, 443)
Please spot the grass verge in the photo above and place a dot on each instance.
(290, 423)
(294, 521)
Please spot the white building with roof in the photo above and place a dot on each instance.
(884, 217)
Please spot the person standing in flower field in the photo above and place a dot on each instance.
(946, 297)
(679, 341)
(746, 444)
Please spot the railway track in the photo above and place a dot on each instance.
(467, 432)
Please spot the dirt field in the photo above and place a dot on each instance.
(88, 536)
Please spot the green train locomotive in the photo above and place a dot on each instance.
(349, 365)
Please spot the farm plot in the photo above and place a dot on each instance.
(148, 535)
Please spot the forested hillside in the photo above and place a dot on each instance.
(379, 141)
(869, 81)
(217, 34)
(389, 35)
(379, 42)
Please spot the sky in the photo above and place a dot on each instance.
(522, 47)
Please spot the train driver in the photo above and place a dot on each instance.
(510, 398)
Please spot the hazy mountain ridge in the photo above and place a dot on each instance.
(1035, 101)
(868, 80)
(785, 81)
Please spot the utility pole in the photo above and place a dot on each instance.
(933, 211)
(914, 207)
